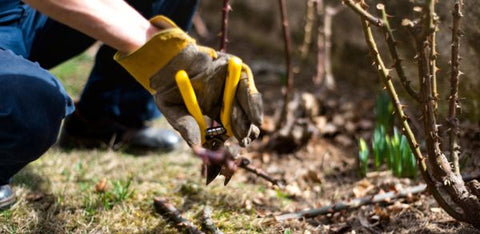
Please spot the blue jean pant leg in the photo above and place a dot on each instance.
(32, 106)
(110, 91)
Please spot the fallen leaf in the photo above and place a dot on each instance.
(36, 196)
(101, 186)
(381, 213)
(312, 176)
(363, 187)
(398, 207)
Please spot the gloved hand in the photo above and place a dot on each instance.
(155, 64)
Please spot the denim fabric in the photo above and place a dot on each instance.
(32, 106)
(33, 103)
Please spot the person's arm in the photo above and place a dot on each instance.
(113, 22)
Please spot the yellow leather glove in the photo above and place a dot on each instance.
(155, 64)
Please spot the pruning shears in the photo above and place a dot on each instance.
(213, 138)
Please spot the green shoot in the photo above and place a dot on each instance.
(384, 111)
(363, 154)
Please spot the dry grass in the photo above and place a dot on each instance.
(57, 194)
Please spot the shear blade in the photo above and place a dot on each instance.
(212, 172)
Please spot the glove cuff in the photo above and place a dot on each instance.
(143, 63)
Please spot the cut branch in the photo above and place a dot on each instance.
(454, 81)
(171, 214)
(245, 164)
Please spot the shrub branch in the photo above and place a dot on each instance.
(392, 48)
(454, 81)
(288, 52)
(438, 175)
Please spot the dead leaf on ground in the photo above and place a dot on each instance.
(363, 187)
(312, 177)
(35, 196)
(397, 207)
(381, 213)
(101, 186)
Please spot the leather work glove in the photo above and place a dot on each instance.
(155, 64)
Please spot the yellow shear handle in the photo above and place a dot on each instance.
(231, 84)
(190, 100)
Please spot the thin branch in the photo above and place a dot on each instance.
(397, 61)
(171, 214)
(200, 26)
(358, 202)
(428, 38)
(321, 43)
(454, 81)
(245, 164)
(433, 65)
(308, 28)
(225, 12)
(357, 6)
(328, 79)
(387, 79)
(352, 204)
(288, 52)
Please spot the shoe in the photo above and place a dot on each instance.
(78, 132)
(7, 197)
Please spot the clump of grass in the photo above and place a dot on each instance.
(120, 192)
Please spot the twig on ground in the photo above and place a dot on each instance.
(245, 164)
(207, 223)
(355, 203)
(171, 214)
